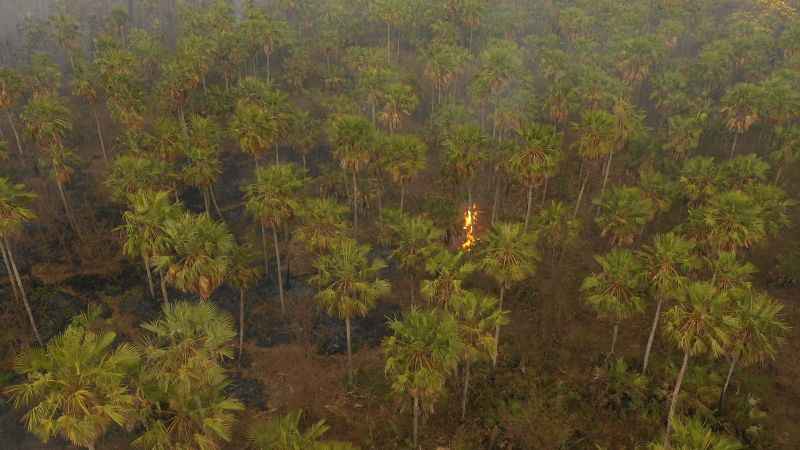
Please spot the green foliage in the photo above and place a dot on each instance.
(322, 223)
(131, 173)
(759, 329)
(538, 155)
(283, 433)
(616, 291)
(623, 213)
(557, 227)
(700, 323)
(182, 380)
(348, 280)
(77, 387)
(14, 212)
(422, 351)
(449, 270)
(478, 316)
(508, 254)
(668, 262)
(273, 198)
(692, 434)
(728, 221)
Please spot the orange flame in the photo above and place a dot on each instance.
(470, 219)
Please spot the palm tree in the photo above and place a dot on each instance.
(273, 199)
(596, 139)
(403, 158)
(14, 213)
(203, 166)
(699, 323)
(76, 387)
(400, 102)
(758, 332)
(302, 134)
(787, 152)
(684, 132)
(700, 178)
(477, 315)
(352, 138)
(740, 108)
(243, 274)
(623, 212)
(349, 285)
(283, 433)
(666, 263)
(197, 254)
(536, 159)
(144, 233)
(616, 291)
(131, 173)
(449, 270)
(253, 128)
(422, 351)
(464, 151)
(692, 434)
(85, 85)
(47, 119)
(413, 240)
(508, 255)
(727, 272)
(11, 86)
(559, 228)
(322, 224)
(182, 381)
(728, 221)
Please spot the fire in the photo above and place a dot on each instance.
(470, 219)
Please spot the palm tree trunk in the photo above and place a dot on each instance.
(778, 174)
(206, 201)
(264, 249)
(580, 195)
(402, 196)
(528, 209)
(355, 201)
(278, 269)
(606, 172)
(416, 420)
(614, 336)
(277, 154)
(305, 164)
(7, 249)
(497, 329)
(67, 209)
(241, 323)
(149, 276)
(652, 336)
(164, 288)
(733, 146)
(496, 202)
(14, 130)
(728, 380)
(388, 43)
(466, 390)
(214, 201)
(100, 135)
(349, 351)
(674, 400)
(544, 190)
(469, 194)
(10, 273)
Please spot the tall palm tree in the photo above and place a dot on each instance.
(508, 255)
(596, 139)
(349, 285)
(478, 316)
(322, 224)
(421, 353)
(243, 274)
(11, 87)
(77, 387)
(131, 173)
(700, 323)
(666, 263)
(616, 291)
(536, 159)
(740, 108)
(413, 240)
(403, 158)
(183, 385)
(14, 213)
(86, 86)
(352, 138)
(144, 230)
(729, 272)
(253, 128)
(728, 221)
(302, 134)
(400, 102)
(272, 199)
(197, 254)
(203, 166)
(623, 212)
(47, 119)
(465, 149)
(449, 270)
(559, 228)
(758, 332)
